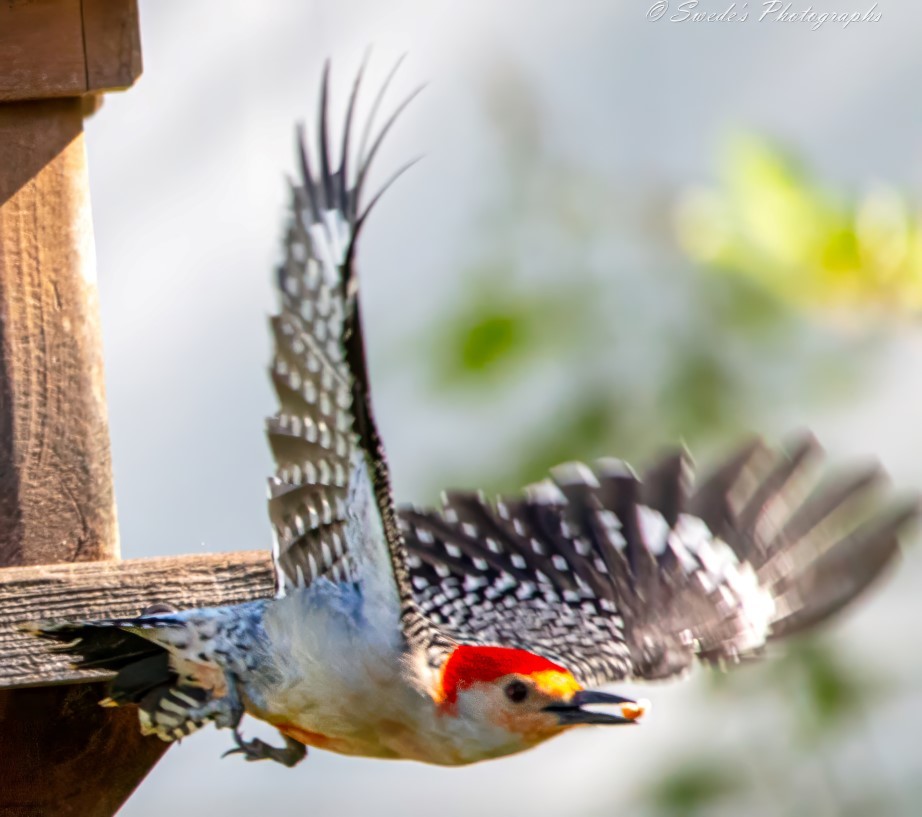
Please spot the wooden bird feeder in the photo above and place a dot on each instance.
(61, 754)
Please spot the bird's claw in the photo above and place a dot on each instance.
(289, 755)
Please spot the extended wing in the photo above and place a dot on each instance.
(617, 576)
(329, 458)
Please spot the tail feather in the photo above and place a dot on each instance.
(169, 704)
(96, 644)
(141, 677)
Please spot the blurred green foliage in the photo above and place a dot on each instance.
(496, 328)
(694, 787)
(638, 345)
(773, 222)
(631, 356)
(818, 700)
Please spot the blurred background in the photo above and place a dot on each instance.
(625, 234)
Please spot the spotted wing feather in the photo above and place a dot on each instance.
(323, 437)
(620, 576)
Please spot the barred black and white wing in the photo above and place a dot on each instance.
(617, 576)
(323, 437)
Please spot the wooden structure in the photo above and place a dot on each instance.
(60, 753)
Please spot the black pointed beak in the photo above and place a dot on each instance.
(572, 713)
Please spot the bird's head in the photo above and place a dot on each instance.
(520, 698)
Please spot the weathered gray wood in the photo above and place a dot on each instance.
(115, 588)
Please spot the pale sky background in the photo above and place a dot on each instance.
(187, 172)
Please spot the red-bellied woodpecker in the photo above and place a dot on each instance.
(474, 630)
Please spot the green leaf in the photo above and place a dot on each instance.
(490, 339)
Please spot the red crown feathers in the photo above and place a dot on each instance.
(469, 664)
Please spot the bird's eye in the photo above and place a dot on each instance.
(516, 691)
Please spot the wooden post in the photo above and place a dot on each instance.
(56, 497)
(60, 754)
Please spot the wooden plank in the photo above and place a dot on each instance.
(112, 39)
(115, 588)
(41, 49)
(56, 495)
(62, 754)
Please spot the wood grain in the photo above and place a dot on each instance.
(56, 495)
(112, 589)
(60, 753)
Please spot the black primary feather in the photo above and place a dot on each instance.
(143, 673)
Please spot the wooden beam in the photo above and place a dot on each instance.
(41, 50)
(60, 755)
(67, 48)
(112, 589)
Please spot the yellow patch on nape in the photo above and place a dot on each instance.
(556, 684)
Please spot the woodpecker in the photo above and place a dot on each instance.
(477, 629)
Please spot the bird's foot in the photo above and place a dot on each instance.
(289, 755)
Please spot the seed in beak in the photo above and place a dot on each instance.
(635, 709)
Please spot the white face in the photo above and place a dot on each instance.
(516, 712)
(510, 713)
(491, 701)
